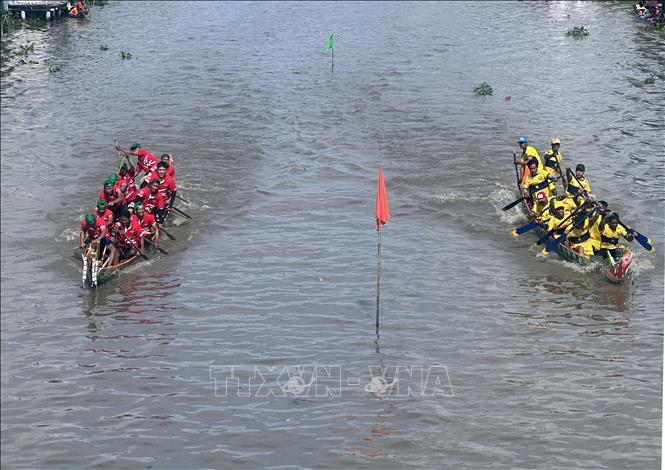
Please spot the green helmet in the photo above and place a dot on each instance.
(101, 203)
(108, 184)
(90, 219)
(113, 178)
(134, 147)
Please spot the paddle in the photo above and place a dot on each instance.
(180, 212)
(641, 239)
(522, 230)
(158, 248)
(166, 232)
(544, 238)
(514, 203)
(545, 251)
(182, 199)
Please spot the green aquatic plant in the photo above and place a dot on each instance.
(577, 32)
(484, 89)
(54, 69)
(103, 47)
(650, 80)
(24, 49)
(125, 55)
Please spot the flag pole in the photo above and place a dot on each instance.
(332, 59)
(378, 273)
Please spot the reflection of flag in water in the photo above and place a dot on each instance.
(382, 210)
(330, 45)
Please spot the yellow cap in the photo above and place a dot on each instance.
(559, 205)
(514, 233)
(556, 140)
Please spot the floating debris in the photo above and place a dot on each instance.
(54, 69)
(650, 80)
(578, 32)
(125, 55)
(103, 47)
(484, 89)
(24, 49)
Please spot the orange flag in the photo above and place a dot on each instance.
(382, 210)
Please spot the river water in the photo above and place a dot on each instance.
(532, 363)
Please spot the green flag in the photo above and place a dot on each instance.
(330, 45)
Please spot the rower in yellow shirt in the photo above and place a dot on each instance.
(552, 158)
(528, 153)
(577, 183)
(537, 184)
(594, 230)
(558, 221)
(579, 232)
(610, 233)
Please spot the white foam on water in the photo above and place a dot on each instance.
(499, 197)
(69, 234)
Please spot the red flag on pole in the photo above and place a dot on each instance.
(382, 210)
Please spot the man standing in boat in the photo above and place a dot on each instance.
(553, 158)
(528, 153)
(577, 183)
(146, 162)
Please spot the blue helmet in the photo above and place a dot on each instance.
(522, 140)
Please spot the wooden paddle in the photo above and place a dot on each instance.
(166, 232)
(180, 212)
(158, 248)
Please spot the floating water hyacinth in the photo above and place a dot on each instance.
(54, 69)
(103, 47)
(484, 89)
(578, 32)
(650, 80)
(24, 49)
(125, 55)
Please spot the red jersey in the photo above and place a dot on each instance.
(151, 202)
(107, 216)
(147, 162)
(130, 193)
(136, 225)
(171, 170)
(166, 185)
(146, 224)
(127, 179)
(111, 198)
(125, 237)
(92, 232)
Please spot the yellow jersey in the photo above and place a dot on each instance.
(574, 187)
(552, 161)
(528, 153)
(610, 238)
(558, 225)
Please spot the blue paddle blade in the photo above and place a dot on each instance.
(556, 242)
(644, 241)
(544, 238)
(526, 228)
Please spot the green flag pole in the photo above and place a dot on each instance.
(330, 47)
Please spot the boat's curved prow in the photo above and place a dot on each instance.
(619, 272)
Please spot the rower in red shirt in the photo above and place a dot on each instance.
(153, 201)
(104, 213)
(112, 195)
(148, 224)
(125, 241)
(168, 158)
(146, 162)
(93, 230)
(167, 186)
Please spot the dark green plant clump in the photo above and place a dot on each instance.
(650, 80)
(24, 49)
(578, 32)
(484, 89)
(125, 55)
(54, 69)
(103, 47)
